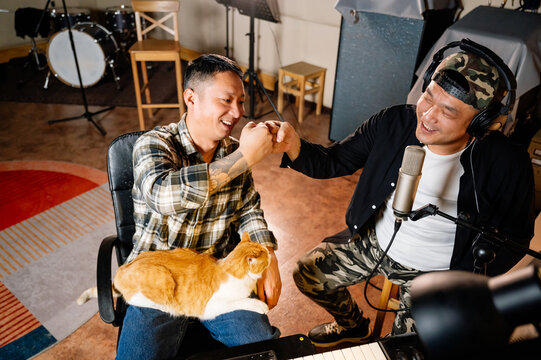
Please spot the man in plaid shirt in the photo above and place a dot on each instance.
(193, 188)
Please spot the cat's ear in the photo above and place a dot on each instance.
(245, 236)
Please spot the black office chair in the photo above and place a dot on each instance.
(120, 173)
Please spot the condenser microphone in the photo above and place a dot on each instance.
(408, 180)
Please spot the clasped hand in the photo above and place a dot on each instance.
(259, 140)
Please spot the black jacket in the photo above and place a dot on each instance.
(502, 174)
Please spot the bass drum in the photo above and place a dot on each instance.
(96, 48)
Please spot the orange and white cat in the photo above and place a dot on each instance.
(184, 282)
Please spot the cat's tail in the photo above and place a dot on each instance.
(87, 295)
(93, 293)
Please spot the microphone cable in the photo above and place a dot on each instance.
(473, 174)
(397, 224)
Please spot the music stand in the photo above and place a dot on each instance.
(87, 114)
(264, 10)
(227, 4)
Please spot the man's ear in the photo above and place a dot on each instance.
(189, 97)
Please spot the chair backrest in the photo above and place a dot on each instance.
(120, 172)
(167, 9)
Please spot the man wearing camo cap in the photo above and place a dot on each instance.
(483, 79)
(482, 177)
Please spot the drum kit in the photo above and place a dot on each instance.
(99, 48)
(81, 51)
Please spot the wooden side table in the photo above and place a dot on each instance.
(305, 79)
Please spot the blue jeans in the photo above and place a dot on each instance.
(153, 334)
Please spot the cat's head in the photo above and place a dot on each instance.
(248, 258)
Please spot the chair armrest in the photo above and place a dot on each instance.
(105, 293)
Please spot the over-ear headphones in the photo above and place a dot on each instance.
(481, 122)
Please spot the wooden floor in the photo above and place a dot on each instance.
(300, 211)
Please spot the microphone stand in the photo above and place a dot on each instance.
(483, 252)
(87, 114)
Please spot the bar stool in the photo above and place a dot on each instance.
(388, 300)
(305, 79)
(155, 50)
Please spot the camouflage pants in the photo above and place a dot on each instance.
(325, 272)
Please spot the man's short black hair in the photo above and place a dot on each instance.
(205, 67)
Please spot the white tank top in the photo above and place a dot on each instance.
(426, 244)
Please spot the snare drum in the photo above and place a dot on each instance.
(96, 48)
(74, 16)
(120, 18)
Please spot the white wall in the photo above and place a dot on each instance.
(309, 31)
(7, 19)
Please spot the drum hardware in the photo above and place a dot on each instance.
(29, 22)
(120, 20)
(73, 15)
(115, 77)
(87, 114)
(35, 52)
(46, 84)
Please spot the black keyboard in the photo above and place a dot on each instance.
(264, 355)
(282, 348)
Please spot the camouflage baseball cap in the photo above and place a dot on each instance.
(483, 79)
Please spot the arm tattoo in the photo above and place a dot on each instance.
(226, 169)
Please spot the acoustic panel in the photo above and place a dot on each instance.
(377, 57)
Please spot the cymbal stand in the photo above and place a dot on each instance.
(87, 114)
(35, 51)
(46, 85)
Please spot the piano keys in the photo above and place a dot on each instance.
(370, 351)
(299, 347)
(406, 346)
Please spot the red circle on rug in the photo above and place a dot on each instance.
(27, 190)
(26, 193)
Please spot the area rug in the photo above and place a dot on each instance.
(22, 82)
(54, 216)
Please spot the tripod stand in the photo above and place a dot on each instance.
(87, 114)
(252, 77)
(265, 10)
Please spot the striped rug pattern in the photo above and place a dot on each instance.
(53, 217)
(15, 319)
(47, 231)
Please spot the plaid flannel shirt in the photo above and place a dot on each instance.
(172, 204)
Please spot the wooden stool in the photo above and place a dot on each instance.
(302, 74)
(388, 300)
(155, 50)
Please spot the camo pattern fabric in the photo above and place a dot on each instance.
(326, 271)
(484, 79)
